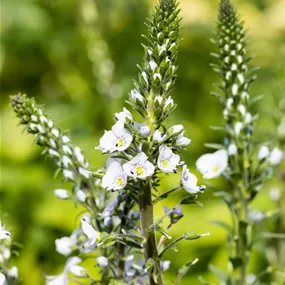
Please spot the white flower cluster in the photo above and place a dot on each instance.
(274, 157)
(119, 139)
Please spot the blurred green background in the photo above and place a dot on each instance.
(78, 57)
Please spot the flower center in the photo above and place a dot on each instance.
(164, 163)
(216, 169)
(139, 170)
(120, 182)
(120, 142)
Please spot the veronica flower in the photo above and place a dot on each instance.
(4, 234)
(71, 265)
(137, 96)
(115, 178)
(122, 116)
(91, 233)
(182, 141)
(164, 265)
(110, 207)
(157, 136)
(263, 153)
(167, 161)
(13, 272)
(139, 166)
(189, 182)
(61, 193)
(275, 156)
(232, 149)
(118, 139)
(212, 165)
(102, 261)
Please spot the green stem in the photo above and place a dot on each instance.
(150, 247)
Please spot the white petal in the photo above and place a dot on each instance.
(13, 272)
(88, 229)
(2, 279)
(263, 153)
(74, 260)
(189, 181)
(102, 261)
(77, 271)
(81, 196)
(63, 245)
(275, 156)
(61, 279)
(61, 193)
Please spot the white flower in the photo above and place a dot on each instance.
(137, 96)
(274, 194)
(102, 261)
(175, 130)
(235, 89)
(2, 279)
(123, 115)
(110, 207)
(139, 166)
(152, 65)
(53, 153)
(263, 152)
(68, 174)
(212, 165)
(118, 139)
(34, 118)
(229, 103)
(4, 234)
(6, 253)
(66, 149)
(158, 99)
(232, 149)
(62, 279)
(164, 265)
(189, 181)
(275, 156)
(78, 154)
(144, 75)
(167, 161)
(238, 127)
(84, 172)
(63, 245)
(81, 195)
(168, 102)
(181, 140)
(115, 178)
(66, 161)
(144, 131)
(41, 129)
(247, 118)
(61, 193)
(240, 78)
(91, 233)
(157, 136)
(77, 271)
(13, 272)
(242, 109)
(157, 75)
(55, 132)
(65, 139)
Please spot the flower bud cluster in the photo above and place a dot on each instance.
(68, 158)
(233, 68)
(158, 70)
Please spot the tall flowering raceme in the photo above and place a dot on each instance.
(94, 231)
(239, 160)
(129, 245)
(140, 153)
